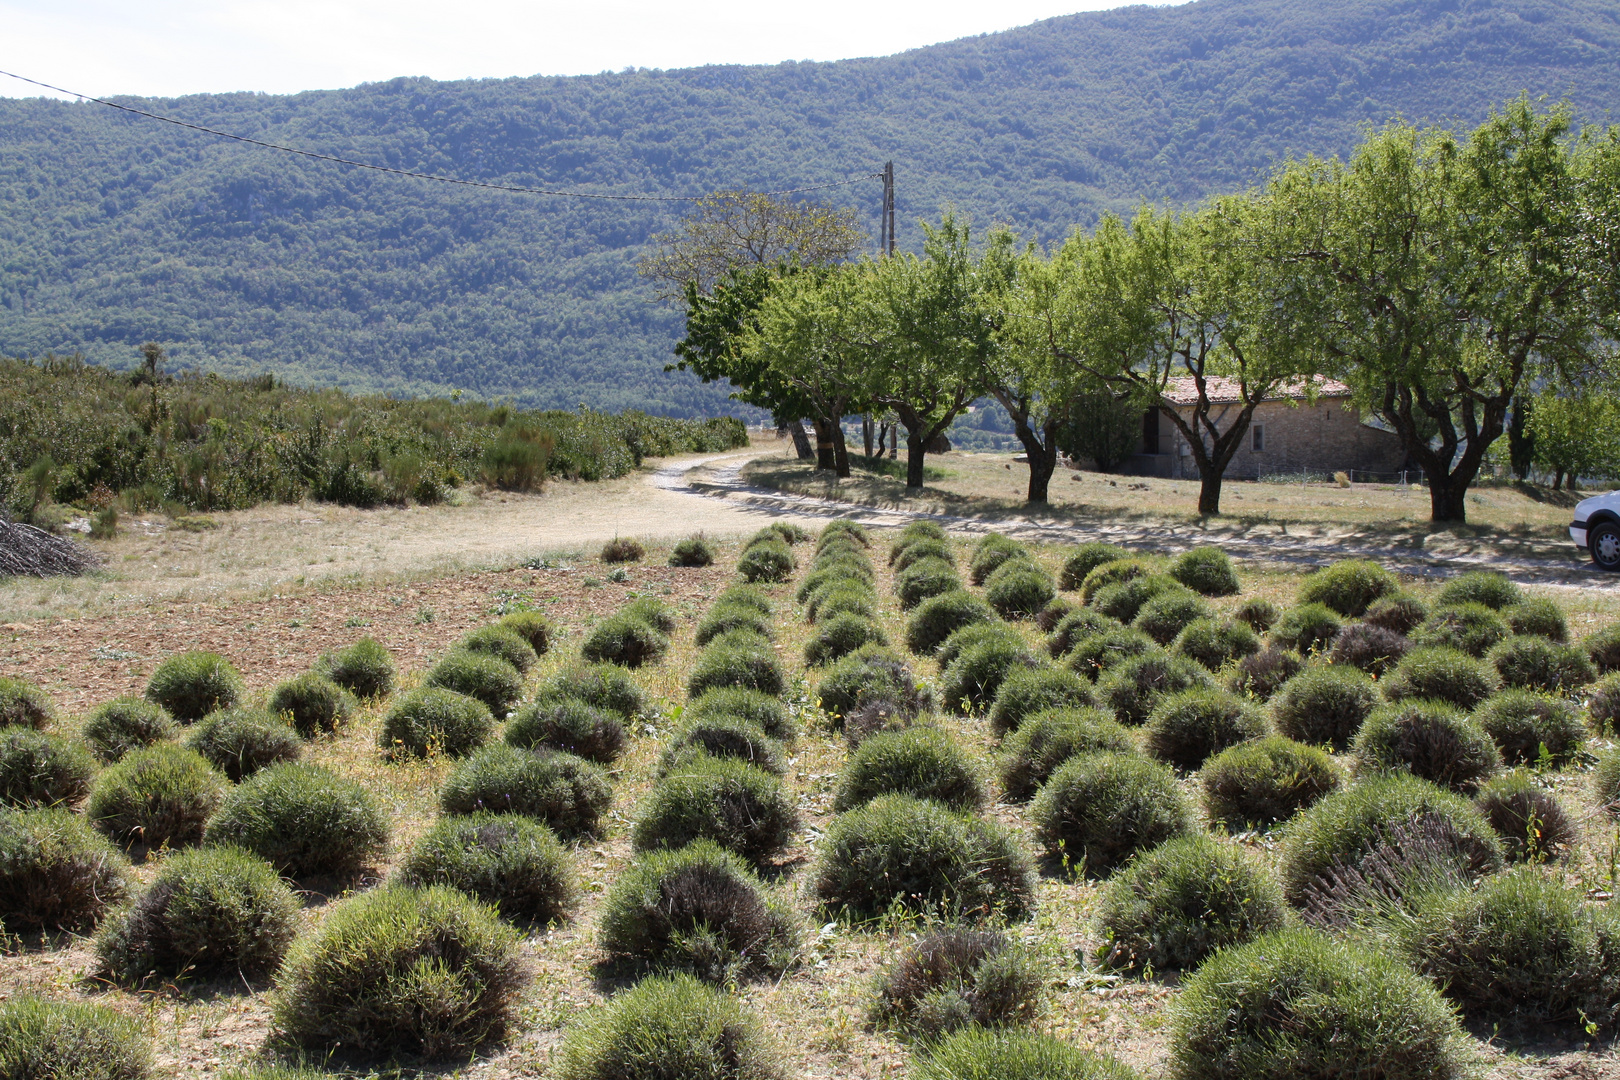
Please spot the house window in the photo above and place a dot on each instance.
(1259, 443)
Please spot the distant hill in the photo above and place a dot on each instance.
(119, 230)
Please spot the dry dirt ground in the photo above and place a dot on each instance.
(275, 588)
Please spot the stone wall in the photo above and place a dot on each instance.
(1294, 437)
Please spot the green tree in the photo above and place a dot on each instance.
(1576, 435)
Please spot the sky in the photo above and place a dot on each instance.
(166, 48)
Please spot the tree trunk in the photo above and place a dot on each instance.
(840, 451)
(1558, 479)
(894, 441)
(1209, 491)
(826, 454)
(866, 433)
(1446, 495)
(801, 441)
(1521, 444)
(1042, 455)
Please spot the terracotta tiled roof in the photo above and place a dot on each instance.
(1226, 391)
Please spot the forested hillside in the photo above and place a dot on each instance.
(119, 230)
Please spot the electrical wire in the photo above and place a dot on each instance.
(421, 175)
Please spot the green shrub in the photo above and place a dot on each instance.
(434, 721)
(1168, 613)
(22, 704)
(739, 807)
(566, 793)
(938, 617)
(915, 855)
(478, 675)
(1603, 704)
(1603, 648)
(839, 636)
(1401, 613)
(1324, 706)
(924, 580)
(693, 551)
(1047, 739)
(971, 681)
(1092, 656)
(1018, 590)
(723, 618)
(974, 1053)
(1030, 690)
(970, 636)
(867, 676)
(211, 912)
(50, 1040)
(56, 873)
(1054, 611)
(762, 710)
(311, 703)
(1097, 810)
(1368, 648)
(531, 626)
(623, 549)
(1533, 824)
(1473, 628)
(737, 659)
(750, 596)
(922, 762)
(191, 685)
(989, 553)
(727, 737)
(1105, 574)
(671, 1028)
(1306, 629)
(1264, 673)
(503, 642)
(1258, 615)
(1206, 570)
(508, 861)
(398, 971)
(154, 797)
(1134, 686)
(956, 977)
(843, 571)
(903, 556)
(920, 530)
(1349, 587)
(1538, 615)
(304, 820)
(1523, 951)
(1343, 829)
(1186, 728)
(1125, 600)
(601, 686)
(1430, 740)
(116, 728)
(1606, 783)
(851, 598)
(1300, 1005)
(1266, 782)
(240, 742)
(37, 769)
(366, 670)
(699, 909)
(1076, 626)
(1216, 644)
(770, 562)
(1531, 662)
(1086, 558)
(625, 640)
(789, 532)
(1526, 725)
(1486, 587)
(568, 724)
(1176, 905)
(1442, 674)
(844, 531)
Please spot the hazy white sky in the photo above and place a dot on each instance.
(171, 47)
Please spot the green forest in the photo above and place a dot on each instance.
(120, 230)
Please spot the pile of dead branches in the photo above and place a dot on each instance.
(25, 550)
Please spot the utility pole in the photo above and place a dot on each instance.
(886, 239)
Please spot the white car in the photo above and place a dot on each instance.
(1597, 529)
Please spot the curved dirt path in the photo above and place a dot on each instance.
(719, 479)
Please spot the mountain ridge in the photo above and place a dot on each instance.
(122, 230)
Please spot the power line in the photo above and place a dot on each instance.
(421, 175)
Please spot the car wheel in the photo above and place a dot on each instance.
(1603, 540)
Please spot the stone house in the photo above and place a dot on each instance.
(1287, 435)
